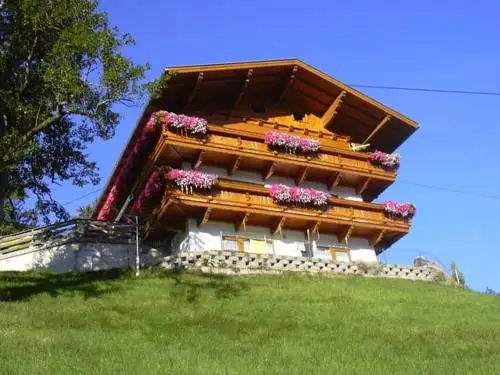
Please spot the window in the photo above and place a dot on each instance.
(340, 255)
(245, 244)
(337, 254)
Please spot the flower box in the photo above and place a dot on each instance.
(190, 124)
(396, 210)
(291, 143)
(188, 181)
(383, 160)
(302, 196)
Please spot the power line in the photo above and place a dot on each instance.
(81, 197)
(422, 89)
(450, 190)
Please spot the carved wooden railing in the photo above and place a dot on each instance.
(224, 140)
(245, 197)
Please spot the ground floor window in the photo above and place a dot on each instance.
(248, 244)
(338, 254)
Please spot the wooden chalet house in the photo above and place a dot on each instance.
(263, 157)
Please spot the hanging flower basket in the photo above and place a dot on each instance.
(154, 184)
(301, 196)
(188, 181)
(387, 161)
(189, 124)
(291, 143)
(396, 210)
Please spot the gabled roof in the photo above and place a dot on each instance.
(347, 111)
(357, 116)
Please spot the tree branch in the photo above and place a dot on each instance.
(42, 126)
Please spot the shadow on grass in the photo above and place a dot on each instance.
(190, 286)
(19, 286)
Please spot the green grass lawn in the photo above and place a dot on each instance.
(164, 323)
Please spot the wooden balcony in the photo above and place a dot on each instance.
(243, 150)
(249, 204)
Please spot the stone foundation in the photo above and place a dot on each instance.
(236, 263)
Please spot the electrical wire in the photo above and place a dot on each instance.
(422, 89)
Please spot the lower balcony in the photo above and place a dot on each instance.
(246, 204)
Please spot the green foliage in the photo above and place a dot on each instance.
(457, 275)
(62, 74)
(167, 323)
(86, 211)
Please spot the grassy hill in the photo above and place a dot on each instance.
(111, 323)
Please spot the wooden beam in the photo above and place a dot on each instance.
(196, 87)
(377, 238)
(206, 216)
(278, 226)
(344, 235)
(334, 180)
(242, 222)
(363, 185)
(302, 176)
(199, 160)
(243, 88)
(315, 228)
(289, 84)
(234, 166)
(331, 112)
(381, 124)
(270, 171)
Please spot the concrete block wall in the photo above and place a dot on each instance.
(236, 263)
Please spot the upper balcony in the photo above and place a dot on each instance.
(244, 204)
(240, 146)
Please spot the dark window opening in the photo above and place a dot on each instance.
(298, 116)
(258, 108)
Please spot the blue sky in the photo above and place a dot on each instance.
(434, 44)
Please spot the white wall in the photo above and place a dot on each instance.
(291, 243)
(253, 177)
(71, 257)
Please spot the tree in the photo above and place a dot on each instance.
(62, 73)
(86, 211)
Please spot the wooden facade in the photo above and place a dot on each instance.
(243, 101)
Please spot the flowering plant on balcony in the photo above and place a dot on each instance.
(291, 143)
(187, 181)
(190, 124)
(396, 210)
(283, 194)
(154, 183)
(383, 160)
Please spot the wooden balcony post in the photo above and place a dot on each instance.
(234, 166)
(302, 176)
(344, 235)
(278, 226)
(205, 217)
(381, 124)
(270, 171)
(199, 160)
(242, 222)
(196, 87)
(363, 185)
(375, 240)
(331, 112)
(334, 180)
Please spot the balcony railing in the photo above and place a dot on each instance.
(244, 203)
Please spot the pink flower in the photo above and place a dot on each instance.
(396, 210)
(191, 124)
(284, 194)
(383, 160)
(189, 180)
(291, 143)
